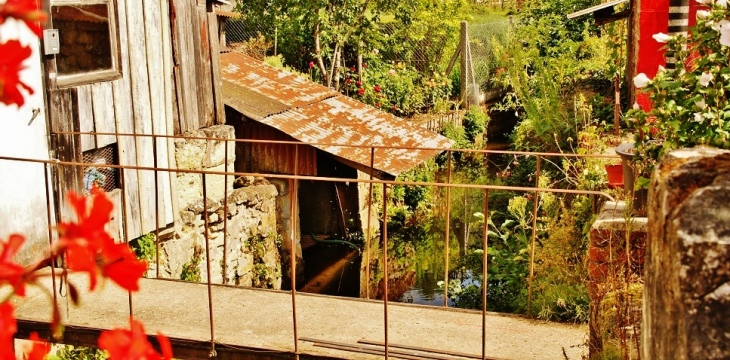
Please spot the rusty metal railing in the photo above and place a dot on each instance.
(293, 180)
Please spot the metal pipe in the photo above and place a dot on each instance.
(302, 177)
(157, 208)
(447, 235)
(293, 194)
(207, 265)
(535, 204)
(385, 264)
(49, 215)
(368, 235)
(124, 222)
(225, 215)
(485, 252)
(324, 144)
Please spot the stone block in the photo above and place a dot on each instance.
(215, 152)
(687, 270)
(189, 153)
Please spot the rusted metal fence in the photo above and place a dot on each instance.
(51, 165)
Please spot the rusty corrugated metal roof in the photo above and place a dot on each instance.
(316, 114)
(282, 86)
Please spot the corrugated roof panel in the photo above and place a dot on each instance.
(282, 86)
(344, 121)
(312, 113)
(250, 103)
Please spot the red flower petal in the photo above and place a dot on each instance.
(10, 272)
(11, 63)
(8, 327)
(123, 267)
(131, 344)
(38, 350)
(27, 11)
(165, 346)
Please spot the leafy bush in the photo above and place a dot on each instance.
(475, 123)
(144, 247)
(69, 352)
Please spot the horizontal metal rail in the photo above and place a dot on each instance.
(294, 209)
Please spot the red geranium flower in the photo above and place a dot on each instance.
(361, 91)
(89, 248)
(352, 69)
(311, 64)
(133, 344)
(11, 63)
(10, 272)
(377, 88)
(38, 350)
(358, 83)
(8, 327)
(27, 11)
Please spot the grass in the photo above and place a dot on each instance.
(484, 14)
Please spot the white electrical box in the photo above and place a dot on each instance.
(51, 42)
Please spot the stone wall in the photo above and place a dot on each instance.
(252, 239)
(687, 270)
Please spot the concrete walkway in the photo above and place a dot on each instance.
(262, 320)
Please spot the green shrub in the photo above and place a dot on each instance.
(69, 352)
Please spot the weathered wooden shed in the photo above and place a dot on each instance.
(265, 103)
(113, 67)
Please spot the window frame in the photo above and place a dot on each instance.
(95, 76)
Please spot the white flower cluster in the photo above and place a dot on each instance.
(722, 26)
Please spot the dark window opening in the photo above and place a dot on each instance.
(85, 38)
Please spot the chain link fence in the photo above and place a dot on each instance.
(482, 41)
(425, 53)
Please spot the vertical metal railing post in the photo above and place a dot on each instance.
(385, 264)
(293, 194)
(49, 215)
(535, 204)
(447, 233)
(225, 213)
(207, 266)
(122, 183)
(485, 248)
(157, 208)
(369, 233)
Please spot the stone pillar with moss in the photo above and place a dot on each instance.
(687, 270)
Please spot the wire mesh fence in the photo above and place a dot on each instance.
(425, 52)
(483, 39)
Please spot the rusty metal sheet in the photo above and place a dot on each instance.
(312, 113)
(279, 85)
(341, 121)
(250, 103)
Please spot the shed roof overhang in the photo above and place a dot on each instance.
(603, 13)
(336, 124)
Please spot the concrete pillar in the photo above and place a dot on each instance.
(687, 269)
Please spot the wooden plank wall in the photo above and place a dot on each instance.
(63, 112)
(126, 144)
(195, 63)
(170, 84)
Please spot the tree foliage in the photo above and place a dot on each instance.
(332, 33)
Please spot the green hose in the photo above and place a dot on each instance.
(333, 241)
